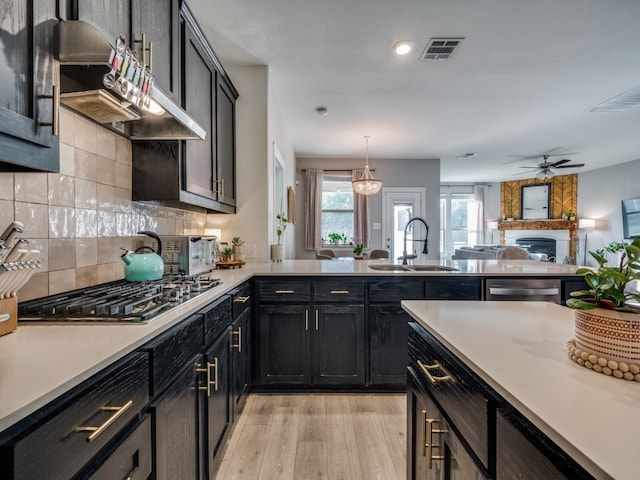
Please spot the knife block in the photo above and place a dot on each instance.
(8, 315)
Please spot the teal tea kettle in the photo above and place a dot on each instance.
(144, 267)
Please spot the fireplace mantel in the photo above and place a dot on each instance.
(538, 225)
(541, 225)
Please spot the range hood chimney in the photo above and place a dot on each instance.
(88, 60)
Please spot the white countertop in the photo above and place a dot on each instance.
(40, 362)
(519, 349)
(349, 266)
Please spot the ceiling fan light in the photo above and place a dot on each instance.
(366, 184)
(544, 174)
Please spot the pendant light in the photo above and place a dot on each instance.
(366, 184)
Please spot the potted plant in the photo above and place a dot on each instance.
(607, 324)
(335, 238)
(227, 255)
(238, 249)
(358, 248)
(277, 251)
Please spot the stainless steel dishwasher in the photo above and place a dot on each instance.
(527, 289)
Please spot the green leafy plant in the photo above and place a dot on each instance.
(227, 251)
(358, 246)
(337, 237)
(237, 241)
(281, 225)
(611, 287)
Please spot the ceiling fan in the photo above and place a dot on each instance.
(546, 168)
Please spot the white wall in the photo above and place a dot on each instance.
(394, 173)
(252, 161)
(599, 194)
(259, 123)
(277, 134)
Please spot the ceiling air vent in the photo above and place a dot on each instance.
(441, 48)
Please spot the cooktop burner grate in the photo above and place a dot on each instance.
(116, 302)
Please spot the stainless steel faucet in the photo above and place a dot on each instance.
(425, 248)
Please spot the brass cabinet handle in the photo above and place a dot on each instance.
(221, 190)
(339, 292)
(316, 320)
(424, 433)
(430, 443)
(210, 382)
(242, 299)
(55, 112)
(208, 372)
(117, 412)
(427, 371)
(285, 291)
(143, 49)
(150, 57)
(306, 320)
(239, 344)
(215, 366)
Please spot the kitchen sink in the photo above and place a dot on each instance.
(413, 268)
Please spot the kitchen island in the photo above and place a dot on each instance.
(519, 352)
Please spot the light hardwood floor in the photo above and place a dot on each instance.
(318, 436)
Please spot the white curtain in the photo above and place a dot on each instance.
(313, 209)
(478, 197)
(360, 212)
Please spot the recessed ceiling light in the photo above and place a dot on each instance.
(402, 47)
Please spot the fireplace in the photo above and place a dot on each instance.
(544, 245)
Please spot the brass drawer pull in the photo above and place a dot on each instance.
(306, 320)
(436, 366)
(98, 430)
(339, 292)
(430, 443)
(316, 320)
(285, 291)
(239, 344)
(242, 299)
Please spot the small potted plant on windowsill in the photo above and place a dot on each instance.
(607, 324)
(335, 238)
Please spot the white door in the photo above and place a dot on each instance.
(399, 205)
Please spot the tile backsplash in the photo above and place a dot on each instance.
(81, 217)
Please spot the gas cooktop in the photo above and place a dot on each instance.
(116, 302)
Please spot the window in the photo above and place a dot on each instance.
(457, 222)
(337, 206)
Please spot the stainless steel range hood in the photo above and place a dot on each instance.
(85, 57)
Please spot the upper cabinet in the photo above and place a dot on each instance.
(151, 28)
(29, 87)
(194, 173)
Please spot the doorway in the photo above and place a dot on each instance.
(399, 205)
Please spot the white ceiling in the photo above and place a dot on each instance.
(519, 85)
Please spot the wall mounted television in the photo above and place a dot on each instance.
(631, 218)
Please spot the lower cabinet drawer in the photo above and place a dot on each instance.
(339, 290)
(132, 459)
(217, 316)
(292, 290)
(460, 396)
(79, 424)
(241, 299)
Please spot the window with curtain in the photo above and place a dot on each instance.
(457, 222)
(337, 206)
